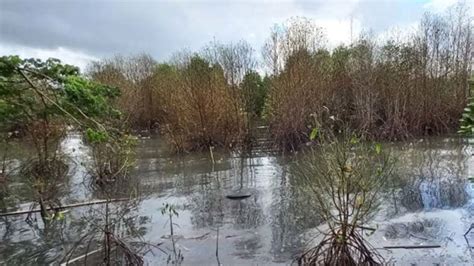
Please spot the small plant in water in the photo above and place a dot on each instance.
(170, 210)
(345, 177)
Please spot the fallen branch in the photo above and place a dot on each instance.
(74, 205)
(412, 247)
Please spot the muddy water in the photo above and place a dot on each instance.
(431, 203)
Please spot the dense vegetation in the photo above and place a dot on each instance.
(394, 88)
(44, 100)
(41, 99)
(197, 102)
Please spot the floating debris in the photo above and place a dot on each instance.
(238, 195)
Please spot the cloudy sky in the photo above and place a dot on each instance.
(78, 31)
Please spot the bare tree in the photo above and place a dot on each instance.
(235, 59)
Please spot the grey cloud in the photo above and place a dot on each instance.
(100, 28)
(106, 27)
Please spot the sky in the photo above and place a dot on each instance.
(79, 31)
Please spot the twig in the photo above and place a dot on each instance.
(217, 248)
(63, 207)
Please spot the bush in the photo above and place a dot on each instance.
(393, 90)
(198, 107)
(345, 177)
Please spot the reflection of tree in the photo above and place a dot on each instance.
(247, 247)
(245, 214)
(23, 245)
(211, 208)
(292, 216)
(434, 175)
(207, 205)
(36, 245)
(178, 175)
(430, 229)
(80, 229)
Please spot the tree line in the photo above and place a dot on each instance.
(392, 88)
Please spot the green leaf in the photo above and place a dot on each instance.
(60, 215)
(354, 140)
(314, 134)
(378, 148)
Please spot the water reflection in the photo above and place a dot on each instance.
(210, 207)
(433, 175)
(269, 227)
(424, 229)
(292, 215)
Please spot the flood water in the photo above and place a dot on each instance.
(431, 203)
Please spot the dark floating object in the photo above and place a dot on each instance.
(238, 195)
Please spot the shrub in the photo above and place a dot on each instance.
(345, 177)
(198, 107)
(394, 90)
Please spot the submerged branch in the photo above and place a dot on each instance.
(74, 205)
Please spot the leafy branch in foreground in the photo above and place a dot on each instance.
(30, 101)
(44, 98)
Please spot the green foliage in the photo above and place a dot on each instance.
(254, 91)
(96, 136)
(314, 134)
(51, 69)
(33, 90)
(378, 148)
(20, 103)
(8, 112)
(92, 98)
(467, 119)
(43, 97)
